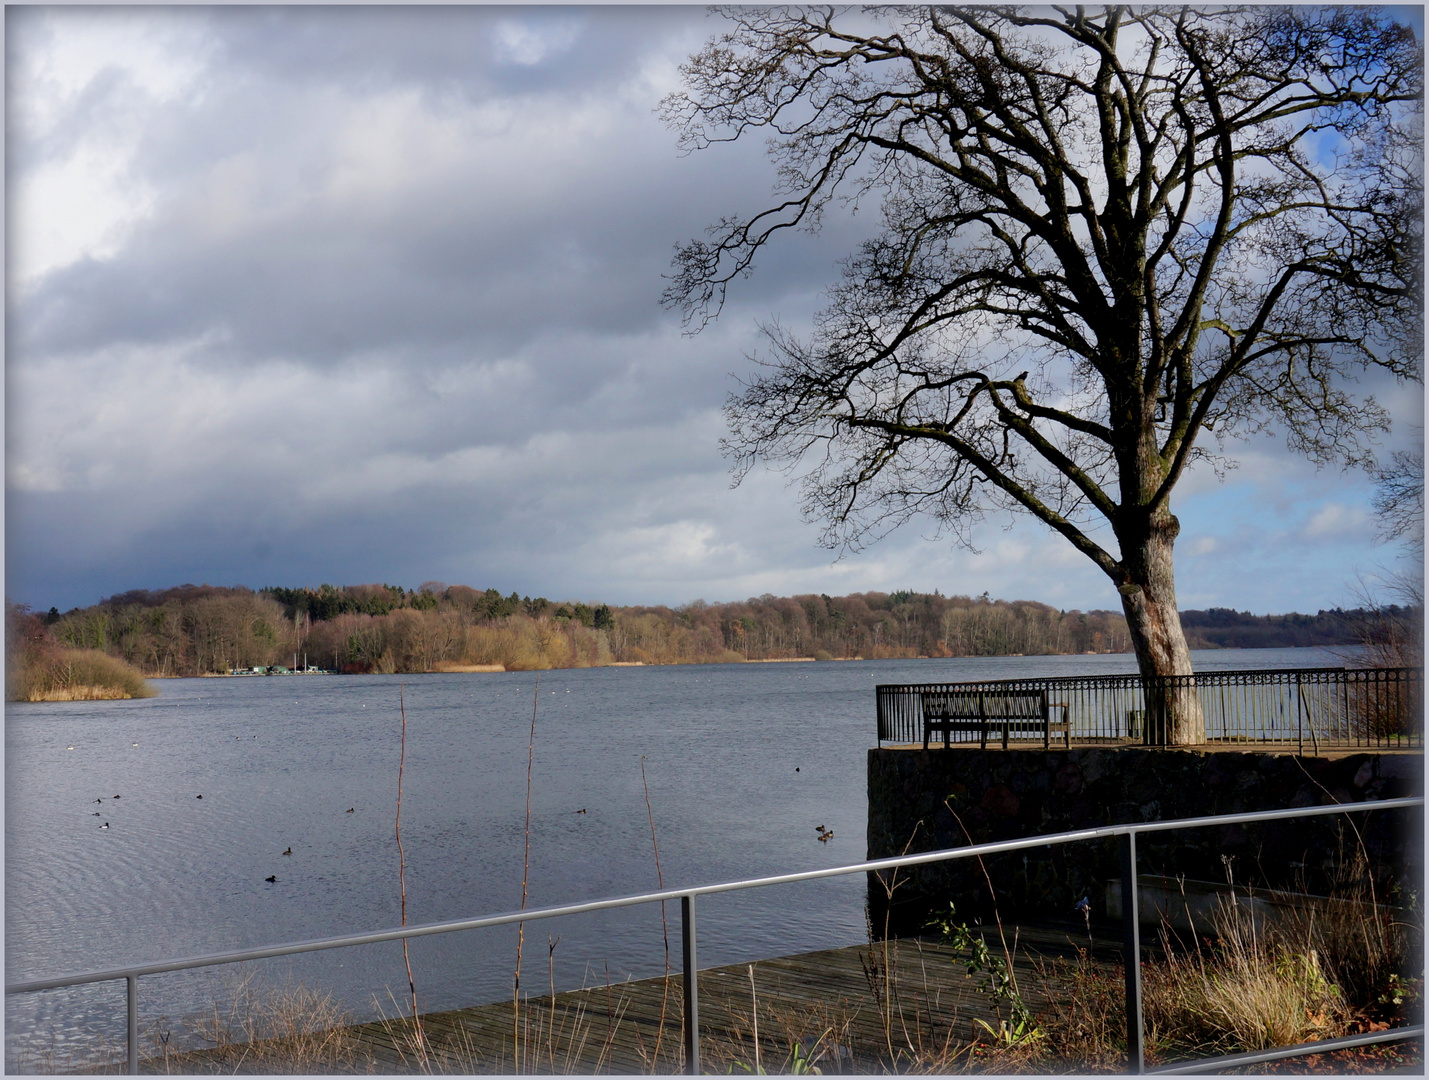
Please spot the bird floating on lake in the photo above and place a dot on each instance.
(581, 810)
(198, 796)
(69, 747)
(288, 852)
(352, 809)
(274, 877)
(105, 825)
(116, 796)
(95, 814)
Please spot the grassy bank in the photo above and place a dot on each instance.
(72, 675)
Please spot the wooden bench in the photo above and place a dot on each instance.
(1026, 712)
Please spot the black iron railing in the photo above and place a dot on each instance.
(1310, 708)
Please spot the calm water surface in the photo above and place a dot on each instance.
(742, 762)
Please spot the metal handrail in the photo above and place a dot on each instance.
(1257, 1057)
(687, 896)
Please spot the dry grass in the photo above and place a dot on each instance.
(1317, 972)
(564, 1039)
(766, 1035)
(1246, 992)
(1363, 945)
(72, 675)
(80, 693)
(257, 1029)
(1085, 1022)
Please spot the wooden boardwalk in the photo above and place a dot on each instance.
(844, 1006)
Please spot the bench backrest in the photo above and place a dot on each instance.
(984, 704)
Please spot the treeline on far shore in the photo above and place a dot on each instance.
(202, 629)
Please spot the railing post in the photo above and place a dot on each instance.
(692, 993)
(1299, 716)
(1131, 957)
(133, 1039)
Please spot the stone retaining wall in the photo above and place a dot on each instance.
(923, 800)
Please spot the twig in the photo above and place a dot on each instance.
(609, 1017)
(402, 871)
(881, 980)
(1349, 820)
(241, 1058)
(525, 876)
(551, 971)
(754, 1013)
(664, 924)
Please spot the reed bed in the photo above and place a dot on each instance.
(72, 675)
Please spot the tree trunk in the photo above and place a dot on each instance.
(1173, 715)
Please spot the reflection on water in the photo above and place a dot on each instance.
(204, 787)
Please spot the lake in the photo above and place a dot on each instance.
(742, 762)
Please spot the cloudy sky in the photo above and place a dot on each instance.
(310, 294)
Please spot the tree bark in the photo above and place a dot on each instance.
(1173, 715)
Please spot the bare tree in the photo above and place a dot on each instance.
(1390, 624)
(1102, 233)
(1399, 500)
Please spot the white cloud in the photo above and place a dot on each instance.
(678, 548)
(78, 208)
(1337, 519)
(77, 194)
(527, 43)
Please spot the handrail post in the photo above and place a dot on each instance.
(1131, 957)
(692, 993)
(133, 1038)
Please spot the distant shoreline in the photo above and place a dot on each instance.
(192, 629)
(498, 669)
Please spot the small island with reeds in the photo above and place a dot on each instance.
(38, 668)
